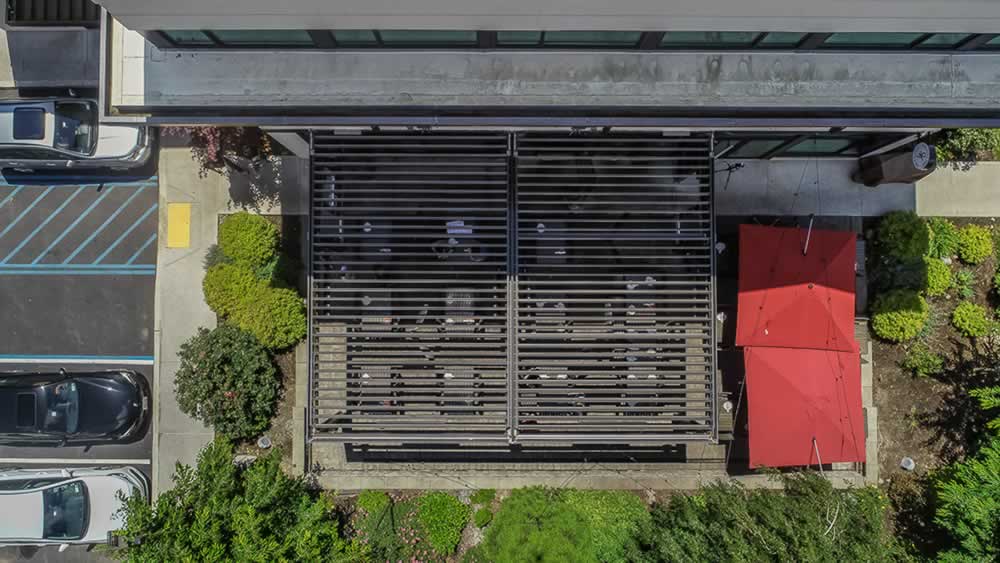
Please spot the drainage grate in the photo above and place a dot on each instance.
(415, 236)
(614, 288)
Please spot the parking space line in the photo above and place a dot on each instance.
(73, 225)
(47, 220)
(126, 233)
(11, 195)
(144, 246)
(26, 211)
(99, 271)
(59, 462)
(105, 224)
(75, 359)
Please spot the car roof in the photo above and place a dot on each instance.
(22, 108)
(21, 516)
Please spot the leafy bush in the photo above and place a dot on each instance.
(483, 496)
(482, 517)
(276, 316)
(938, 276)
(975, 244)
(373, 501)
(808, 521)
(227, 288)
(388, 534)
(944, 242)
(904, 236)
(442, 517)
(215, 256)
(996, 282)
(967, 145)
(963, 282)
(535, 524)
(922, 362)
(219, 511)
(226, 379)
(616, 519)
(968, 506)
(899, 315)
(214, 147)
(970, 319)
(249, 239)
(989, 402)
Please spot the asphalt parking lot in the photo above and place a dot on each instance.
(77, 275)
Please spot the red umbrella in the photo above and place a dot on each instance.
(788, 299)
(805, 407)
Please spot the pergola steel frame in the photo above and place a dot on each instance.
(443, 308)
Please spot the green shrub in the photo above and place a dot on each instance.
(968, 506)
(483, 496)
(442, 518)
(904, 236)
(944, 242)
(963, 282)
(922, 362)
(966, 145)
(227, 380)
(388, 534)
(221, 511)
(975, 244)
(970, 319)
(938, 276)
(535, 524)
(996, 282)
(616, 519)
(373, 501)
(215, 256)
(727, 522)
(249, 239)
(276, 316)
(482, 517)
(899, 315)
(227, 287)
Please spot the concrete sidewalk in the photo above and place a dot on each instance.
(971, 190)
(180, 308)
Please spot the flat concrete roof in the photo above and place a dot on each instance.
(143, 78)
(970, 16)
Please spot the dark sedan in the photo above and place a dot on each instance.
(72, 409)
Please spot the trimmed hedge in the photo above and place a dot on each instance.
(276, 316)
(904, 236)
(975, 244)
(482, 517)
(970, 319)
(938, 276)
(227, 287)
(249, 239)
(899, 315)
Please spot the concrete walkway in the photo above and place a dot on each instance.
(803, 187)
(960, 191)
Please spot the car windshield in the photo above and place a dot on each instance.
(74, 127)
(65, 509)
(61, 407)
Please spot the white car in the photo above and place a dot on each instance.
(40, 507)
(62, 133)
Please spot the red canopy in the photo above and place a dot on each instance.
(796, 396)
(788, 300)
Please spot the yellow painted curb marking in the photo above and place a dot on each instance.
(178, 225)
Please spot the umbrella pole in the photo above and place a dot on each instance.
(808, 233)
(819, 460)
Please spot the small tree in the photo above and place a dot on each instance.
(969, 506)
(227, 380)
(219, 511)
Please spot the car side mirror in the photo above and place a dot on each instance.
(63, 547)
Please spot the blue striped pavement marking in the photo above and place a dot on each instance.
(126, 233)
(47, 220)
(26, 211)
(11, 195)
(73, 225)
(34, 271)
(144, 246)
(74, 359)
(104, 225)
(30, 179)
